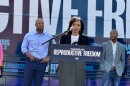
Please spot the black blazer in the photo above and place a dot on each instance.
(66, 39)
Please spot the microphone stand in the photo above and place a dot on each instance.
(49, 51)
(56, 36)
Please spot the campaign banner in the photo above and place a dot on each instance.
(17, 17)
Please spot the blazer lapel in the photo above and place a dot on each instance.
(68, 40)
(79, 40)
(117, 50)
(110, 48)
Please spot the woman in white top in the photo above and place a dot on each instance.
(76, 35)
(73, 73)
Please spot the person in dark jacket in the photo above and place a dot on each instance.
(73, 73)
(76, 35)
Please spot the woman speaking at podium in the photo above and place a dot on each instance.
(73, 73)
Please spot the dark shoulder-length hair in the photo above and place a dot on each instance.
(72, 20)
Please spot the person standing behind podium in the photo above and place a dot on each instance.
(36, 54)
(113, 60)
(74, 37)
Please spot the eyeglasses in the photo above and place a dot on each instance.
(77, 18)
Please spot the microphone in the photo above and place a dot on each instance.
(71, 28)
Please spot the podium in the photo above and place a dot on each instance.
(71, 59)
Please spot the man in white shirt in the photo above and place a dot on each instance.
(113, 60)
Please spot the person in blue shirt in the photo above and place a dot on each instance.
(36, 53)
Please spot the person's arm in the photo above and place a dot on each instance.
(24, 48)
(102, 63)
(28, 55)
(47, 58)
(124, 74)
(123, 57)
(1, 55)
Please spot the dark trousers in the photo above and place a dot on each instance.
(34, 71)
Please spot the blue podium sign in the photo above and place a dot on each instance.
(64, 52)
